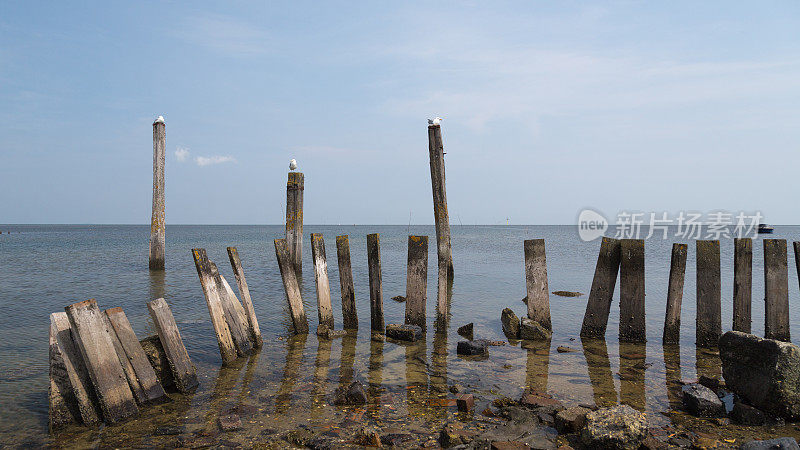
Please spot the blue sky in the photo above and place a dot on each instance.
(548, 107)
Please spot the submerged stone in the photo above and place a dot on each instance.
(765, 373)
(466, 331)
(231, 422)
(531, 330)
(701, 401)
(352, 394)
(472, 348)
(783, 443)
(620, 427)
(510, 323)
(747, 415)
(404, 332)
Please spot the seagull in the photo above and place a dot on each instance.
(293, 164)
(435, 121)
(160, 119)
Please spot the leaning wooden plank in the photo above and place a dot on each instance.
(244, 291)
(595, 320)
(127, 367)
(224, 339)
(105, 372)
(291, 287)
(236, 305)
(183, 371)
(72, 399)
(237, 323)
(148, 381)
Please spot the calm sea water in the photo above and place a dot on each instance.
(45, 268)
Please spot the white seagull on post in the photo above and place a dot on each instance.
(435, 121)
(293, 164)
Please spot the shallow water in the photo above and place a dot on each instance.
(288, 383)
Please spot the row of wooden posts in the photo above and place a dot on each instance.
(626, 256)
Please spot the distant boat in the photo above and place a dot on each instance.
(765, 229)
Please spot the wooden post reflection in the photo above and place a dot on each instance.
(347, 360)
(417, 376)
(537, 367)
(632, 360)
(375, 376)
(708, 363)
(599, 366)
(672, 367)
(439, 386)
(321, 368)
(296, 345)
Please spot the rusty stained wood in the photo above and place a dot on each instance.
(677, 272)
(442, 221)
(227, 349)
(244, 291)
(324, 309)
(709, 307)
(632, 292)
(375, 283)
(742, 284)
(157, 223)
(148, 385)
(349, 313)
(417, 281)
(71, 396)
(776, 288)
(536, 282)
(294, 220)
(107, 376)
(291, 287)
(184, 373)
(234, 314)
(595, 320)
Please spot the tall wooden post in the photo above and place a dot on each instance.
(776, 288)
(677, 271)
(417, 281)
(442, 220)
(349, 313)
(375, 282)
(742, 283)
(709, 308)
(291, 288)
(324, 310)
(157, 224)
(595, 320)
(294, 220)
(631, 287)
(536, 282)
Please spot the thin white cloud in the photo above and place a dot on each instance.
(224, 34)
(182, 154)
(210, 160)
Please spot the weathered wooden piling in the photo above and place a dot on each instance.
(536, 282)
(742, 283)
(375, 282)
(677, 272)
(107, 376)
(227, 348)
(145, 382)
(349, 313)
(234, 314)
(709, 308)
(183, 371)
(244, 291)
(796, 246)
(632, 292)
(595, 320)
(294, 220)
(157, 224)
(417, 281)
(290, 287)
(776, 288)
(442, 220)
(71, 395)
(324, 309)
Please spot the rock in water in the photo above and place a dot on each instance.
(566, 294)
(510, 323)
(472, 348)
(531, 330)
(399, 298)
(353, 394)
(784, 443)
(466, 331)
(747, 415)
(765, 373)
(620, 427)
(701, 401)
(403, 332)
(571, 419)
